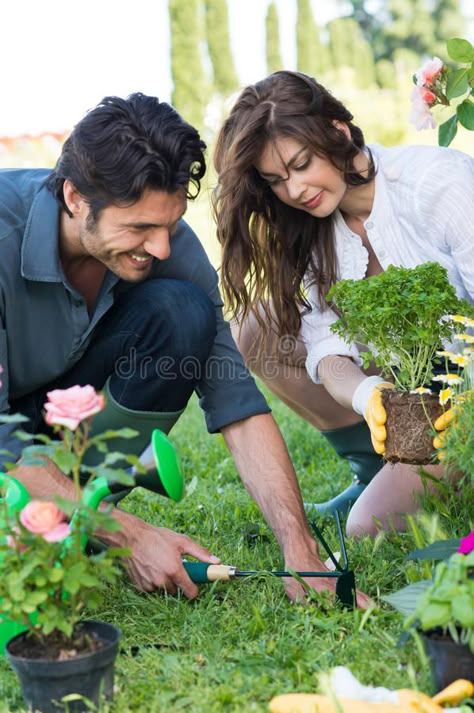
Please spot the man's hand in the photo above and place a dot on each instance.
(312, 563)
(367, 401)
(156, 559)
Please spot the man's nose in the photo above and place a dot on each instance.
(158, 244)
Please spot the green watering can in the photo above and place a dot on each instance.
(163, 475)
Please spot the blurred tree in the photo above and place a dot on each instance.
(189, 83)
(349, 48)
(386, 74)
(273, 54)
(449, 22)
(412, 26)
(217, 35)
(312, 54)
(423, 26)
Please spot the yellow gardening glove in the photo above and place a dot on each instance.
(443, 421)
(376, 417)
(367, 401)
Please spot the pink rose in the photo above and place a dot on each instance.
(59, 533)
(427, 96)
(428, 72)
(68, 407)
(43, 517)
(467, 544)
(421, 115)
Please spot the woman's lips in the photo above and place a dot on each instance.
(314, 202)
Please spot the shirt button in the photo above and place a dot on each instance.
(369, 225)
(382, 253)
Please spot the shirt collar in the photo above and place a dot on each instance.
(39, 252)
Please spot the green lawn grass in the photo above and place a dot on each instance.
(242, 642)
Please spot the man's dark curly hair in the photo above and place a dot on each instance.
(124, 146)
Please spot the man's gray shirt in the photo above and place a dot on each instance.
(44, 323)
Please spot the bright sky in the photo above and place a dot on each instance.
(58, 58)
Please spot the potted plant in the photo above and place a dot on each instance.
(399, 316)
(48, 580)
(442, 609)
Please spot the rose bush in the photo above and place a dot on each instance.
(48, 580)
(438, 85)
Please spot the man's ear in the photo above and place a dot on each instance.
(73, 199)
(343, 127)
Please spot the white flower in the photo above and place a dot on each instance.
(450, 379)
(445, 395)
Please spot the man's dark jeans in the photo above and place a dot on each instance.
(153, 345)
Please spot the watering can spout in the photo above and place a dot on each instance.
(160, 470)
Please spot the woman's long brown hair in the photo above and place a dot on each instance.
(267, 246)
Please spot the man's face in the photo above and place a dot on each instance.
(126, 239)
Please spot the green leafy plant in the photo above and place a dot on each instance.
(399, 316)
(48, 580)
(439, 85)
(446, 601)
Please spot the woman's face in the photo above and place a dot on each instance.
(301, 179)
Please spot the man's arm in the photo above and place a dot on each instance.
(156, 552)
(266, 470)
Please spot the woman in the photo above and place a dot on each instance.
(302, 202)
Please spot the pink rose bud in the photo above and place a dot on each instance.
(466, 545)
(41, 516)
(68, 407)
(59, 533)
(428, 72)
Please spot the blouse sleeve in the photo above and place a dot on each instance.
(320, 341)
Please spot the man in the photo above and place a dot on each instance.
(103, 283)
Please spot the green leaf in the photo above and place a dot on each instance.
(65, 460)
(447, 131)
(457, 83)
(463, 611)
(465, 113)
(405, 599)
(440, 550)
(56, 574)
(13, 418)
(460, 50)
(435, 615)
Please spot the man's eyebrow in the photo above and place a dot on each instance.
(288, 165)
(145, 226)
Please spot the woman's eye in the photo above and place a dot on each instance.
(303, 166)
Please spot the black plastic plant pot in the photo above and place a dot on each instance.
(449, 660)
(45, 682)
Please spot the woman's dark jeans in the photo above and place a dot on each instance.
(153, 344)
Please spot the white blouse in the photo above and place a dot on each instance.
(422, 212)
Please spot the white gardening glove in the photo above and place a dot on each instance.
(367, 401)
